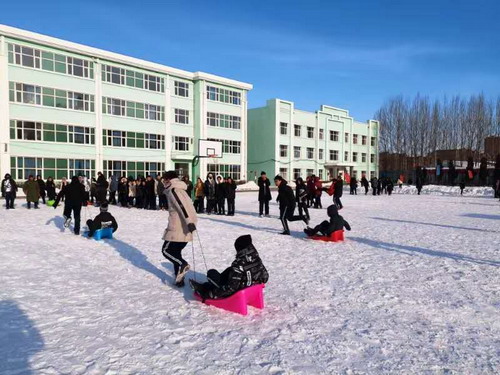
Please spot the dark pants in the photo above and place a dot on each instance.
(42, 195)
(150, 202)
(366, 189)
(286, 215)
(211, 205)
(122, 199)
(337, 202)
(303, 208)
(77, 208)
(173, 252)
(92, 227)
(221, 206)
(162, 200)
(374, 191)
(199, 205)
(112, 197)
(354, 191)
(230, 206)
(9, 200)
(36, 204)
(321, 228)
(263, 205)
(317, 201)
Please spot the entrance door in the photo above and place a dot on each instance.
(182, 169)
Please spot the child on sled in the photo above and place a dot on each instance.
(326, 228)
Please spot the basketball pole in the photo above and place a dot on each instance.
(194, 164)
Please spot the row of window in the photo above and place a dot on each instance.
(223, 95)
(132, 168)
(118, 138)
(40, 131)
(22, 167)
(225, 170)
(44, 96)
(297, 172)
(120, 76)
(223, 121)
(334, 135)
(334, 154)
(229, 146)
(52, 62)
(119, 107)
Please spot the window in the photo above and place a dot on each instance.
(321, 134)
(222, 95)
(154, 112)
(297, 130)
(355, 157)
(372, 158)
(80, 102)
(284, 173)
(310, 153)
(119, 107)
(80, 135)
(346, 156)
(309, 172)
(226, 170)
(372, 174)
(355, 139)
(44, 60)
(321, 174)
(283, 128)
(22, 167)
(116, 138)
(346, 137)
(23, 93)
(363, 157)
(296, 152)
(131, 78)
(181, 116)
(229, 146)
(320, 154)
(114, 107)
(310, 132)
(283, 151)
(132, 169)
(296, 173)
(223, 121)
(334, 155)
(181, 88)
(153, 141)
(28, 131)
(334, 136)
(31, 131)
(372, 141)
(181, 143)
(363, 140)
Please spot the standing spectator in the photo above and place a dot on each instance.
(149, 189)
(123, 192)
(452, 173)
(93, 190)
(101, 188)
(50, 187)
(301, 197)
(31, 189)
(199, 194)
(160, 190)
(379, 185)
(140, 193)
(365, 184)
(311, 190)
(75, 198)
(62, 184)
(9, 190)
(86, 185)
(231, 195)
(339, 187)
(264, 194)
(374, 184)
(496, 177)
(286, 201)
(41, 186)
(221, 194)
(469, 176)
(400, 182)
(210, 193)
(354, 186)
(189, 185)
(483, 171)
(419, 179)
(390, 186)
(318, 186)
(113, 188)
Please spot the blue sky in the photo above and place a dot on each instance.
(351, 54)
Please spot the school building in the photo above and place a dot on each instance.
(68, 109)
(290, 142)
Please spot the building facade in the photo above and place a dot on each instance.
(68, 109)
(290, 142)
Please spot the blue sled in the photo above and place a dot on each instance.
(103, 233)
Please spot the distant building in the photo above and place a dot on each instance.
(492, 147)
(291, 142)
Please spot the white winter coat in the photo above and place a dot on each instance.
(181, 212)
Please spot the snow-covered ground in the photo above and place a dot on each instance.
(414, 289)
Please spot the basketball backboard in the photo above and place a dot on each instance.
(209, 149)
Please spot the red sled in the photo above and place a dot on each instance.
(239, 301)
(336, 236)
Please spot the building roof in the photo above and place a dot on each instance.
(30, 36)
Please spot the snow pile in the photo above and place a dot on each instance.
(410, 291)
(248, 186)
(471, 191)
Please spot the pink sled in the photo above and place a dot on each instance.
(239, 302)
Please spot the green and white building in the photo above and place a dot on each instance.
(290, 142)
(69, 109)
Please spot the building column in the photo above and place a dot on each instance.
(99, 153)
(169, 164)
(4, 109)
(244, 135)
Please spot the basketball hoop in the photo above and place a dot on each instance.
(213, 158)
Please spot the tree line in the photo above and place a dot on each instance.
(419, 126)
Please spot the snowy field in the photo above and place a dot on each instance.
(413, 290)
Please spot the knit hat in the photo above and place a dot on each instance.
(104, 207)
(243, 242)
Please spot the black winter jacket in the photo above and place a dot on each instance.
(231, 190)
(210, 189)
(103, 220)
(338, 188)
(13, 186)
(264, 190)
(337, 222)
(286, 198)
(221, 190)
(74, 193)
(301, 192)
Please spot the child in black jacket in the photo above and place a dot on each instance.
(103, 220)
(326, 228)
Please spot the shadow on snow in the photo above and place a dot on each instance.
(434, 224)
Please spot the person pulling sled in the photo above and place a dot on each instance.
(246, 270)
